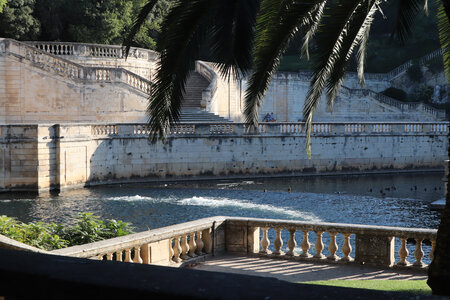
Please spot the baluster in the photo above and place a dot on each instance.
(403, 254)
(184, 246)
(347, 248)
(305, 244)
(137, 255)
(433, 247)
(119, 256)
(192, 245)
(128, 256)
(278, 243)
(171, 253)
(206, 237)
(176, 249)
(319, 245)
(109, 256)
(418, 254)
(291, 243)
(265, 240)
(199, 243)
(333, 247)
(145, 254)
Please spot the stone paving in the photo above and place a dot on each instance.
(297, 271)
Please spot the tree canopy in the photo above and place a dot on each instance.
(88, 21)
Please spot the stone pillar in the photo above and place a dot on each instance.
(241, 238)
(374, 250)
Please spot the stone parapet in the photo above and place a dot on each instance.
(178, 244)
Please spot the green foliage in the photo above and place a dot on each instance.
(422, 93)
(37, 234)
(87, 229)
(101, 22)
(17, 21)
(2, 4)
(415, 73)
(395, 93)
(435, 65)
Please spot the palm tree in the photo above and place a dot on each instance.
(249, 36)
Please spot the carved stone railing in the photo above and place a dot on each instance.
(333, 242)
(374, 245)
(93, 50)
(68, 69)
(163, 246)
(402, 106)
(208, 95)
(275, 129)
(404, 67)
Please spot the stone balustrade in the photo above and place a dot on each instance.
(209, 94)
(92, 50)
(374, 245)
(401, 106)
(279, 239)
(274, 128)
(163, 246)
(46, 60)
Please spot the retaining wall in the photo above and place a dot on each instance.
(43, 157)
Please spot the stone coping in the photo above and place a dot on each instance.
(137, 239)
(401, 232)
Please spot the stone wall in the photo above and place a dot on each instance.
(42, 157)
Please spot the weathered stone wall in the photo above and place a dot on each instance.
(42, 157)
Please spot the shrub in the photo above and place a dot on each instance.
(395, 93)
(415, 73)
(87, 229)
(423, 93)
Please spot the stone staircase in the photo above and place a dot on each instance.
(198, 115)
(191, 110)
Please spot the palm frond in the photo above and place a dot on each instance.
(140, 20)
(231, 35)
(444, 37)
(358, 28)
(311, 25)
(183, 31)
(407, 10)
(337, 35)
(277, 22)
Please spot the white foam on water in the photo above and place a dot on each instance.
(133, 198)
(225, 202)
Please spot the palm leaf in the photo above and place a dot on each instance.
(231, 35)
(407, 10)
(338, 34)
(182, 32)
(358, 28)
(444, 36)
(312, 24)
(140, 20)
(277, 22)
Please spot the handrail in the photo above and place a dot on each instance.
(93, 50)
